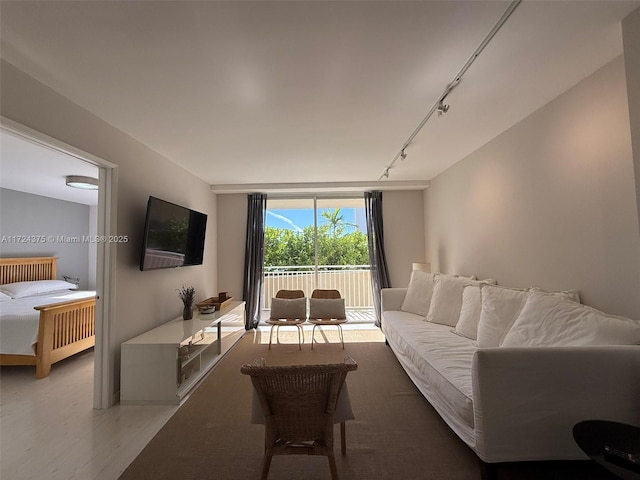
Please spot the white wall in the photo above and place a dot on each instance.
(403, 236)
(631, 41)
(551, 202)
(93, 247)
(60, 222)
(403, 217)
(143, 299)
(232, 227)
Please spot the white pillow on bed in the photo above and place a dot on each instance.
(4, 296)
(37, 287)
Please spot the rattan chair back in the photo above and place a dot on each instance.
(322, 293)
(298, 403)
(290, 294)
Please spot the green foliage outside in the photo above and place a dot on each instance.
(284, 247)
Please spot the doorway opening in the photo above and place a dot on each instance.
(101, 256)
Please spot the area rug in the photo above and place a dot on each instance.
(396, 433)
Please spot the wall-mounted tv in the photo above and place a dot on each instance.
(173, 236)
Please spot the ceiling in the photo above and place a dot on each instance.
(242, 92)
(30, 167)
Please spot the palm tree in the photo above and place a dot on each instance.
(335, 221)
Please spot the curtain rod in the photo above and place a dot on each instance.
(456, 80)
(319, 196)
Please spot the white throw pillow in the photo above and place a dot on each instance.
(327, 308)
(36, 287)
(418, 296)
(500, 308)
(4, 296)
(472, 277)
(446, 300)
(570, 294)
(288, 308)
(553, 320)
(467, 325)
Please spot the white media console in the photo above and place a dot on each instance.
(163, 365)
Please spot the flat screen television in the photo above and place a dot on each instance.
(173, 236)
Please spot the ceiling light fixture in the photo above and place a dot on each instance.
(84, 183)
(439, 106)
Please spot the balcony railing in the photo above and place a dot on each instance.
(352, 281)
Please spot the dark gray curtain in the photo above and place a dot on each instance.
(254, 258)
(377, 258)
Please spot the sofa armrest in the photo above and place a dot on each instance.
(392, 298)
(527, 400)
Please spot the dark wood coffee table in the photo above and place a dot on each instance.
(592, 436)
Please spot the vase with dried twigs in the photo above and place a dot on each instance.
(187, 295)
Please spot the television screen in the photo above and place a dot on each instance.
(173, 236)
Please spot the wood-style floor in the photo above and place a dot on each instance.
(49, 429)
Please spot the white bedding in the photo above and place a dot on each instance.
(19, 320)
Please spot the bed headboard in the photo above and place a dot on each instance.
(27, 269)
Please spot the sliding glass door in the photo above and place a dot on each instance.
(289, 246)
(318, 242)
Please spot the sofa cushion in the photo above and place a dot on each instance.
(554, 320)
(467, 325)
(438, 362)
(500, 307)
(471, 277)
(446, 300)
(418, 296)
(400, 316)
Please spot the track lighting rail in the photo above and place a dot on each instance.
(439, 106)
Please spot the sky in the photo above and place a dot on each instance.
(297, 219)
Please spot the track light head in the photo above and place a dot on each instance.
(442, 108)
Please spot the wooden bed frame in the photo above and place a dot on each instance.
(65, 328)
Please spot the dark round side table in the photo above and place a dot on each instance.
(592, 436)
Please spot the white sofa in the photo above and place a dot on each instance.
(511, 403)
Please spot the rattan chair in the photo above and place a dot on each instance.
(320, 322)
(298, 403)
(281, 322)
